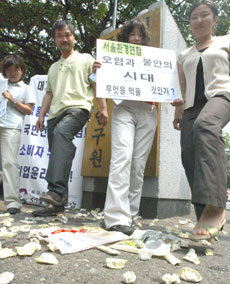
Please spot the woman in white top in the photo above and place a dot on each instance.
(19, 101)
(133, 129)
(201, 115)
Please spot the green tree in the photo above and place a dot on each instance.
(25, 24)
(226, 137)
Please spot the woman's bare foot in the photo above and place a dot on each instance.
(212, 218)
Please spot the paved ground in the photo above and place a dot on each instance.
(89, 266)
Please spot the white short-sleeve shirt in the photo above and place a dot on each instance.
(23, 93)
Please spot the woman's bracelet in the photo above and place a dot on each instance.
(14, 103)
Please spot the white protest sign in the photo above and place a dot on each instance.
(3, 101)
(134, 72)
(34, 155)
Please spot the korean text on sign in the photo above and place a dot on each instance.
(134, 72)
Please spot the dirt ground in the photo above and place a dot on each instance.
(89, 266)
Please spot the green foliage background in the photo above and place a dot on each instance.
(25, 24)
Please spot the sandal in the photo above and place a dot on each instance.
(213, 231)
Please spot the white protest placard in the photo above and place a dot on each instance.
(3, 101)
(134, 72)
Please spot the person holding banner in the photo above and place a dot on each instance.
(133, 129)
(68, 98)
(19, 102)
(205, 85)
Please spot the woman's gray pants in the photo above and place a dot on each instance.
(203, 153)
